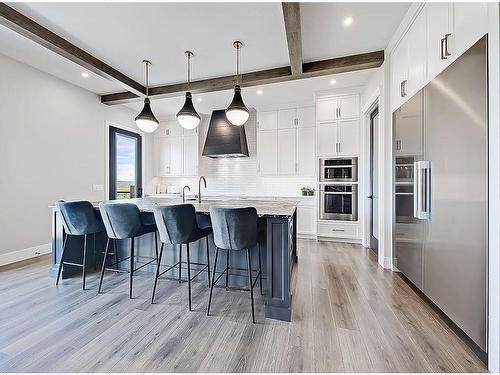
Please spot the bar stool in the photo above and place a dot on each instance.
(235, 229)
(79, 219)
(122, 221)
(177, 225)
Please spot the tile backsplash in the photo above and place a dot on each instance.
(239, 175)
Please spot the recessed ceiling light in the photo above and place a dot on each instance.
(199, 99)
(347, 21)
(333, 82)
(85, 75)
(260, 92)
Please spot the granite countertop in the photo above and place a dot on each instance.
(273, 208)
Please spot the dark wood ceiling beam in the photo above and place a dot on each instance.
(311, 69)
(291, 16)
(30, 29)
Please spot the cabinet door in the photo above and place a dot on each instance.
(306, 117)
(306, 219)
(267, 143)
(327, 139)
(176, 156)
(348, 107)
(162, 156)
(268, 120)
(348, 134)
(326, 109)
(470, 25)
(190, 155)
(417, 53)
(399, 72)
(409, 127)
(438, 26)
(286, 118)
(286, 152)
(306, 151)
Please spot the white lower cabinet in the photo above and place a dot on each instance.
(306, 218)
(340, 230)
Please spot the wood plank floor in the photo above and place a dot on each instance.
(349, 315)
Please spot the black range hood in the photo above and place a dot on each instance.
(224, 140)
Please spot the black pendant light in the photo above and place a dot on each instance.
(146, 120)
(187, 117)
(237, 112)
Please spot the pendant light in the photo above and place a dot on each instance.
(187, 117)
(146, 120)
(237, 112)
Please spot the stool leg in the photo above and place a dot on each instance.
(116, 254)
(260, 272)
(84, 268)
(156, 246)
(227, 268)
(180, 262)
(103, 265)
(62, 259)
(213, 282)
(157, 273)
(250, 282)
(208, 262)
(131, 266)
(189, 275)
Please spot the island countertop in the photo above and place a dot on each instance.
(265, 208)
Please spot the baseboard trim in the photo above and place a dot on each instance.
(306, 236)
(19, 255)
(337, 239)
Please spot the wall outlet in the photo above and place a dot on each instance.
(97, 187)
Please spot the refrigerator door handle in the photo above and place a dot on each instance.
(422, 189)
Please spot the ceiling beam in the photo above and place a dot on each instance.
(291, 15)
(263, 77)
(28, 28)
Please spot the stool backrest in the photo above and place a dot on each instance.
(79, 217)
(234, 228)
(122, 220)
(175, 223)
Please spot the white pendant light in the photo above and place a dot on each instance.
(237, 112)
(187, 117)
(146, 120)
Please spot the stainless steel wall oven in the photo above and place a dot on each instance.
(338, 169)
(339, 202)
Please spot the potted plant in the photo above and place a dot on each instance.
(305, 191)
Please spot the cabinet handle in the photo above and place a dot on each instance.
(403, 88)
(339, 146)
(340, 113)
(338, 230)
(446, 52)
(443, 57)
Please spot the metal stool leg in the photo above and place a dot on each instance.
(116, 254)
(104, 265)
(156, 246)
(180, 262)
(250, 282)
(62, 259)
(213, 282)
(131, 266)
(260, 272)
(157, 273)
(189, 275)
(208, 262)
(84, 263)
(227, 268)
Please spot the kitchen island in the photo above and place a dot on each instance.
(278, 222)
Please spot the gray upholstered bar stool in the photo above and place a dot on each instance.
(79, 219)
(235, 229)
(124, 221)
(177, 225)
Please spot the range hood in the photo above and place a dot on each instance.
(224, 140)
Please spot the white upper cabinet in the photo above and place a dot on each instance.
(190, 155)
(171, 129)
(287, 152)
(306, 151)
(326, 110)
(348, 107)
(399, 72)
(267, 120)
(417, 54)
(306, 117)
(267, 156)
(348, 137)
(327, 139)
(470, 24)
(438, 33)
(162, 156)
(286, 118)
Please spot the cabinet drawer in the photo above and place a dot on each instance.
(337, 230)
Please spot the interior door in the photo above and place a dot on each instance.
(374, 165)
(125, 164)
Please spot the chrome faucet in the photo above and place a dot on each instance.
(184, 193)
(199, 187)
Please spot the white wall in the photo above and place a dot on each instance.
(52, 146)
(239, 176)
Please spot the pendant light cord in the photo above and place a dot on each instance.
(146, 63)
(189, 70)
(237, 65)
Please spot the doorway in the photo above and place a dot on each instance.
(374, 165)
(125, 164)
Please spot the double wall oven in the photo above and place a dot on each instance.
(338, 189)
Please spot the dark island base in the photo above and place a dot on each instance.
(278, 251)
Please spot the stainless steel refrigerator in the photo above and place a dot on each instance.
(441, 190)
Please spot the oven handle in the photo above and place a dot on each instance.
(337, 193)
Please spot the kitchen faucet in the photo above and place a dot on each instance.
(184, 193)
(199, 187)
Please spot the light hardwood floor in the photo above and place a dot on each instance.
(349, 315)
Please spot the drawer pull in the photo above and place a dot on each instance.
(338, 230)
